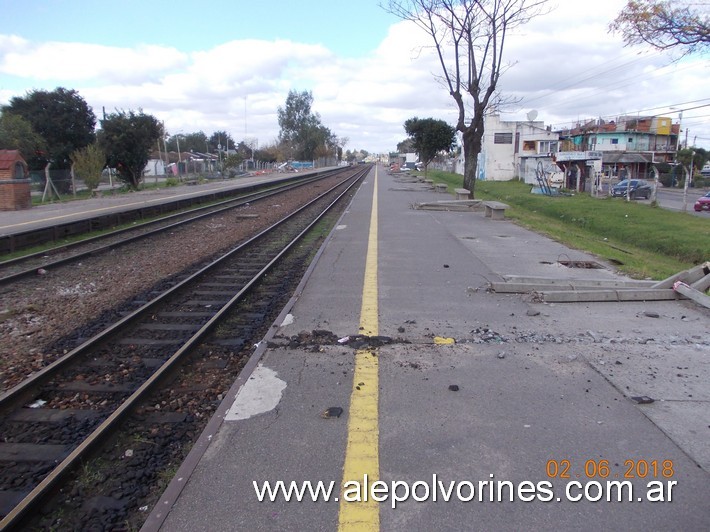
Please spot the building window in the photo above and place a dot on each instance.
(631, 140)
(503, 138)
(548, 146)
(614, 141)
(528, 145)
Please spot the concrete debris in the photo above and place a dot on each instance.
(486, 335)
(450, 205)
(651, 314)
(692, 293)
(333, 411)
(317, 338)
(454, 387)
(39, 403)
(642, 400)
(688, 284)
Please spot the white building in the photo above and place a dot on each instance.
(154, 167)
(512, 149)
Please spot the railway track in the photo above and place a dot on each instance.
(30, 264)
(157, 371)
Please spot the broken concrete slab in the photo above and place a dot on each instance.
(449, 205)
(692, 293)
(689, 276)
(609, 283)
(564, 290)
(600, 295)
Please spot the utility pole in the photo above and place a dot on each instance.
(688, 177)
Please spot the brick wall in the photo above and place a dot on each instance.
(15, 194)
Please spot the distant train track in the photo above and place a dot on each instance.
(16, 242)
(45, 260)
(153, 371)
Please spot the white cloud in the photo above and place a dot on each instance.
(81, 61)
(565, 64)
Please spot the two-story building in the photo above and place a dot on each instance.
(513, 149)
(629, 146)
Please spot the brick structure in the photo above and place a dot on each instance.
(14, 182)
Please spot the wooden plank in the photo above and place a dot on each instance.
(33, 452)
(50, 415)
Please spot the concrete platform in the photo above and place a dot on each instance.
(55, 213)
(472, 386)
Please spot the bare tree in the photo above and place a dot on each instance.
(664, 25)
(469, 38)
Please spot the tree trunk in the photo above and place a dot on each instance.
(472, 140)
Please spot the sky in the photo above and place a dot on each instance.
(229, 65)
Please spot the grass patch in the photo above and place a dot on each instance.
(642, 240)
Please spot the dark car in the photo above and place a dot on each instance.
(703, 203)
(636, 188)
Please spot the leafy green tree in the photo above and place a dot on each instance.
(16, 133)
(88, 164)
(61, 117)
(429, 137)
(469, 39)
(664, 25)
(128, 139)
(244, 150)
(406, 146)
(698, 156)
(267, 154)
(302, 133)
(188, 142)
(220, 138)
(232, 162)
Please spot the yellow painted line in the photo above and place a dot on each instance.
(362, 449)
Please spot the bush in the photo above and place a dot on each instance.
(667, 180)
(171, 182)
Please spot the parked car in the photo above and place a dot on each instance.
(636, 188)
(703, 203)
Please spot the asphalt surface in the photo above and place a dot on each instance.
(474, 387)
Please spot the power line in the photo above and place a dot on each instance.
(557, 89)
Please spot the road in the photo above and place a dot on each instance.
(673, 200)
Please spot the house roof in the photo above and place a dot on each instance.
(8, 158)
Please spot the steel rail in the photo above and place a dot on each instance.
(212, 209)
(15, 516)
